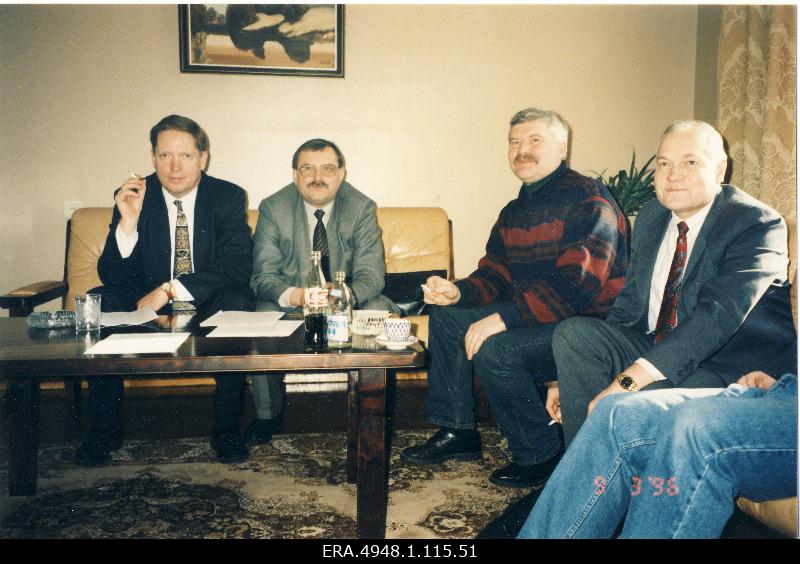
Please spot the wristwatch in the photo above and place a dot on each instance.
(167, 287)
(627, 383)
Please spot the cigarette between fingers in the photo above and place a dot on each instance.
(133, 175)
(551, 422)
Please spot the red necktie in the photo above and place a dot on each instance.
(668, 314)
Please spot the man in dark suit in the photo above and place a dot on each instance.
(320, 211)
(179, 244)
(706, 297)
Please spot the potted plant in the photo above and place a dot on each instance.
(631, 188)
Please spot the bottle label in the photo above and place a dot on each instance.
(316, 297)
(336, 293)
(338, 329)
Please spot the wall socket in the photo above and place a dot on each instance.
(70, 207)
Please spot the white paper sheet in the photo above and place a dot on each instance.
(250, 318)
(277, 329)
(116, 318)
(135, 343)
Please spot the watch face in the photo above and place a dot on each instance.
(626, 382)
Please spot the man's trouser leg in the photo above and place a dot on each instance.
(742, 442)
(589, 353)
(267, 388)
(451, 401)
(512, 367)
(590, 490)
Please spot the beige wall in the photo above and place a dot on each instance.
(421, 114)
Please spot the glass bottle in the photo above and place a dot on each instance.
(315, 305)
(340, 314)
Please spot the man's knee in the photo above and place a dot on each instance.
(571, 332)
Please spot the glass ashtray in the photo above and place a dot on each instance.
(51, 319)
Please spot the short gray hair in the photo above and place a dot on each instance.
(714, 142)
(558, 125)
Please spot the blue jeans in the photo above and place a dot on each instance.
(512, 366)
(673, 459)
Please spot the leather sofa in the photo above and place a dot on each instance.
(414, 239)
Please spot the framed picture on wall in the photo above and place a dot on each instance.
(285, 39)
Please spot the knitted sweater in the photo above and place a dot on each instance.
(559, 249)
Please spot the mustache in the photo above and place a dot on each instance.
(317, 184)
(525, 158)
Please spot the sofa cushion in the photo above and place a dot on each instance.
(780, 514)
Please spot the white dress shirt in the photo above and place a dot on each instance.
(126, 243)
(661, 271)
(283, 300)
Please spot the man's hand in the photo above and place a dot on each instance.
(553, 401)
(297, 297)
(438, 291)
(129, 199)
(481, 330)
(641, 376)
(155, 300)
(757, 379)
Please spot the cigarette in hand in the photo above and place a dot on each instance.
(135, 177)
(551, 422)
(424, 287)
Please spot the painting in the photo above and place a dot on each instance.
(285, 39)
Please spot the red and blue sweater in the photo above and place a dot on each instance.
(559, 249)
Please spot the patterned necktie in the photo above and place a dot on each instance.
(321, 244)
(668, 314)
(183, 257)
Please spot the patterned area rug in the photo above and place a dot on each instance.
(294, 487)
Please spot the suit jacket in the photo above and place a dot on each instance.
(282, 244)
(734, 313)
(222, 248)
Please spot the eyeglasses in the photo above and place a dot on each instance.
(308, 171)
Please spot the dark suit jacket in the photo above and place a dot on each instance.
(222, 250)
(734, 313)
(282, 250)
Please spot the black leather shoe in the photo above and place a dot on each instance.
(230, 448)
(516, 476)
(260, 431)
(446, 444)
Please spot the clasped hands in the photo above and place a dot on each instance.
(441, 292)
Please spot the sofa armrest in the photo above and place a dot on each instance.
(20, 302)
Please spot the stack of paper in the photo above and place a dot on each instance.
(137, 343)
(250, 324)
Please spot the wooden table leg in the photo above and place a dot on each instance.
(352, 427)
(372, 494)
(23, 436)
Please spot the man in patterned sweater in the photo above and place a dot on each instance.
(557, 250)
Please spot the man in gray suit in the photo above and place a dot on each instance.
(318, 211)
(706, 297)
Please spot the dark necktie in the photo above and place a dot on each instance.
(668, 314)
(183, 257)
(321, 244)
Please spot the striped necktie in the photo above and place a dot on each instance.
(321, 244)
(183, 257)
(668, 314)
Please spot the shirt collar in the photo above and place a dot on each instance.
(187, 202)
(695, 222)
(311, 209)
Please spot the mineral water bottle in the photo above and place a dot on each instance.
(340, 314)
(315, 305)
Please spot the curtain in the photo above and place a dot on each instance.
(757, 67)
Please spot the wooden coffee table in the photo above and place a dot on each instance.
(28, 356)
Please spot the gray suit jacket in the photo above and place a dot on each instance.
(282, 245)
(734, 313)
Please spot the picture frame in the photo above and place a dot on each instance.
(279, 39)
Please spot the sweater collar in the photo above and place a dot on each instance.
(529, 190)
